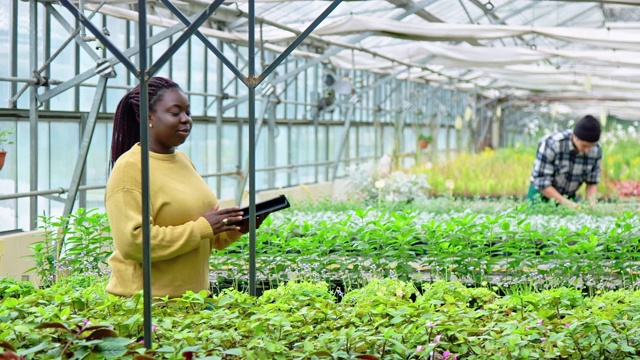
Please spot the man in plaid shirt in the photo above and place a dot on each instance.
(564, 160)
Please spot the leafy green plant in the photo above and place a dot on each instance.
(5, 138)
(302, 320)
(425, 137)
(10, 287)
(505, 172)
(512, 247)
(375, 186)
(88, 245)
(553, 266)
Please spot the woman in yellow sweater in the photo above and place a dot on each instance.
(185, 220)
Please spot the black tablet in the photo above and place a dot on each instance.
(264, 207)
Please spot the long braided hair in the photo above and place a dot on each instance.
(126, 120)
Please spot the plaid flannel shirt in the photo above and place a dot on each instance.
(560, 165)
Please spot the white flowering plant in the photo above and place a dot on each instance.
(619, 134)
(378, 182)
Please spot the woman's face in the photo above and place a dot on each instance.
(171, 120)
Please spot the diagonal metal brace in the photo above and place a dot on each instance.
(100, 36)
(190, 30)
(74, 33)
(297, 41)
(113, 61)
(206, 42)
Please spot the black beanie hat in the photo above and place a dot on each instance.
(588, 129)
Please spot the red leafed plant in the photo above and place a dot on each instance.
(627, 188)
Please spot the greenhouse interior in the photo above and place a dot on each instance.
(319, 179)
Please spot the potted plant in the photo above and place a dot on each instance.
(424, 141)
(4, 140)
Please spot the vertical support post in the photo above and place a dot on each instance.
(13, 31)
(33, 113)
(46, 48)
(252, 148)
(219, 111)
(271, 140)
(144, 143)
(473, 125)
(76, 71)
(398, 159)
(259, 121)
(377, 124)
(448, 141)
(327, 141)
(82, 195)
(435, 131)
(290, 148)
(495, 132)
(343, 140)
(316, 129)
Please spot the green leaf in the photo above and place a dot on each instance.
(225, 300)
(166, 349)
(322, 354)
(308, 346)
(194, 349)
(272, 347)
(11, 302)
(81, 353)
(258, 329)
(113, 348)
(41, 346)
(236, 352)
(65, 313)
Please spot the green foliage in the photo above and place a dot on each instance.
(10, 287)
(544, 261)
(5, 138)
(505, 172)
(298, 293)
(425, 137)
(622, 160)
(87, 247)
(511, 246)
(444, 292)
(301, 320)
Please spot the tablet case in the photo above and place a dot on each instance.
(264, 207)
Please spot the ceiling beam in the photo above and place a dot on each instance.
(418, 10)
(409, 5)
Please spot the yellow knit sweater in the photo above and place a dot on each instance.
(181, 239)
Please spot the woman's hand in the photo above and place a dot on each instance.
(221, 220)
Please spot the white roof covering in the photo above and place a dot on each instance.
(580, 53)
